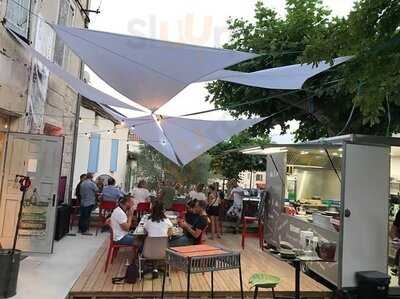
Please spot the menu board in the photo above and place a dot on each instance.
(34, 216)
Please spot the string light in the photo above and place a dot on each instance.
(80, 120)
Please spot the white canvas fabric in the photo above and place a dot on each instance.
(148, 130)
(182, 139)
(147, 71)
(78, 85)
(286, 77)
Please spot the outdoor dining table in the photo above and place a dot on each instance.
(140, 231)
(201, 259)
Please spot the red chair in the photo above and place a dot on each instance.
(74, 212)
(202, 238)
(113, 250)
(246, 221)
(142, 209)
(179, 208)
(105, 208)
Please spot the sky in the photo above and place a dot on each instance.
(200, 22)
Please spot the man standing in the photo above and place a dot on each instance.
(82, 178)
(87, 190)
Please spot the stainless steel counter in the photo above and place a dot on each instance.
(289, 231)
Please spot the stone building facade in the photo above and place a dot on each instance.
(38, 117)
(57, 116)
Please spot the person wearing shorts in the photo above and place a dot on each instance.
(213, 211)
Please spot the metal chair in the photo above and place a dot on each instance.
(113, 249)
(179, 208)
(74, 217)
(259, 233)
(153, 250)
(142, 209)
(266, 281)
(259, 219)
(203, 236)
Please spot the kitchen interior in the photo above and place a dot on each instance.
(311, 207)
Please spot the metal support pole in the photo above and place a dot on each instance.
(241, 280)
(212, 284)
(188, 280)
(163, 282)
(297, 279)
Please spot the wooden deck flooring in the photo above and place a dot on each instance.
(93, 283)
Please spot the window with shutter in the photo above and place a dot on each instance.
(18, 16)
(65, 17)
(114, 155)
(94, 148)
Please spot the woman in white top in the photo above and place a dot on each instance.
(158, 225)
(199, 193)
(140, 194)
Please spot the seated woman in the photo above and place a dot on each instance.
(192, 232)
(158, 225)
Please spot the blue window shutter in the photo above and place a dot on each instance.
(114, 155)
(94, 148)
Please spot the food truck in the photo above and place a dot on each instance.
(336, 191)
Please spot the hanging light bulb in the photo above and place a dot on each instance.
(108, 131)
(80, 120)
(122, 123)
(133, 127)
(163, 141)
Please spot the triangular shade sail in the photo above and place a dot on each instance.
(181, 139)
(78, 85)
(148, 130)
(149, 72)
(286, 77)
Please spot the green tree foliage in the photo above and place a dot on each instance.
(155, 168)
(229, 164)
(366, 88)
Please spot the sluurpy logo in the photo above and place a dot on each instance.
(189, 29)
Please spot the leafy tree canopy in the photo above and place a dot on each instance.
(361, 96)
(229, 164)
(155, 168)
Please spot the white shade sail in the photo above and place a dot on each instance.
(78, 85)
(182, 139)
(285, 77)
(147, 71)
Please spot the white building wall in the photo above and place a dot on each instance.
(250, 179)
(90, 123)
